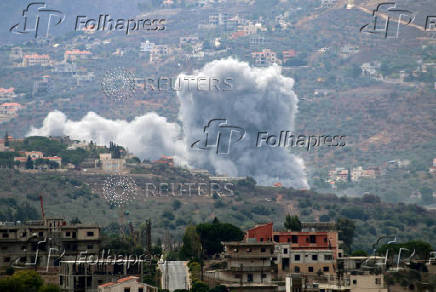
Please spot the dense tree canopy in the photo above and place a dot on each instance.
(292, 223)
(212, 234)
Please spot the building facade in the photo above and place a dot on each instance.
(34, 243)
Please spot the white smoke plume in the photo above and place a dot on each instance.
(261, 99)
(149, 136)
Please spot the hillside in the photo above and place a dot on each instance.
(70, 195)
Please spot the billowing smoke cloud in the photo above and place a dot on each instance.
(261, 99)
(149, 136)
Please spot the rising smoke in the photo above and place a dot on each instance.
(261, 99)
(149, 136)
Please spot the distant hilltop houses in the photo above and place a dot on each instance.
(345, 175)
(9, 110)
(96, 159)
(7, 94)
(38, 160)
(432, 169)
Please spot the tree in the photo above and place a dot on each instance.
(6, 142)
(43, 144)
(49, 288)
(75, 220)
(10, 271)
(134, 159)
(219, 288)
(53, 164)
(191, 248)
(212, 234)
(176, 204)
(422, 249)
(359, 253)
(31, 280)
(346, 229)
(11, 284)
(427, 194)
(249, 183)
(355, 71)
(199, 287)
(29, 163)
(292, 223)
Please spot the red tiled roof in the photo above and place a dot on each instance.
(77, 52)
(53, 158)
(106, 284)
(238, 34)
(36, 56)
(122, 280)
(20, 158)
(7, 104)
(4, 90)
(289, 53)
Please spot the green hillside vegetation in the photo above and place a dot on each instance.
(71, 196)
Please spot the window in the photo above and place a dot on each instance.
(91, 233)
(90, 246)
(289, 239)
(328, 257)
(140, 289)
(261, 239)
(312, 238)
(354, 282)
(297, 257)
(310, 269)
(262, 249)
(249, 277)
(378, 281)
(276, 238)
(6, 259)
(127, 289)
(263, 276)
(68, 233)
(285, 251)
(296, 269)
(325, 239)
(325, 269)
(24, 234)
(40, 234)
(294, 239)
(238, 276)
(314, 257)
(5, 235)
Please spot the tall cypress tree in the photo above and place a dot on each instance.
(6, 143)
(29, 163)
